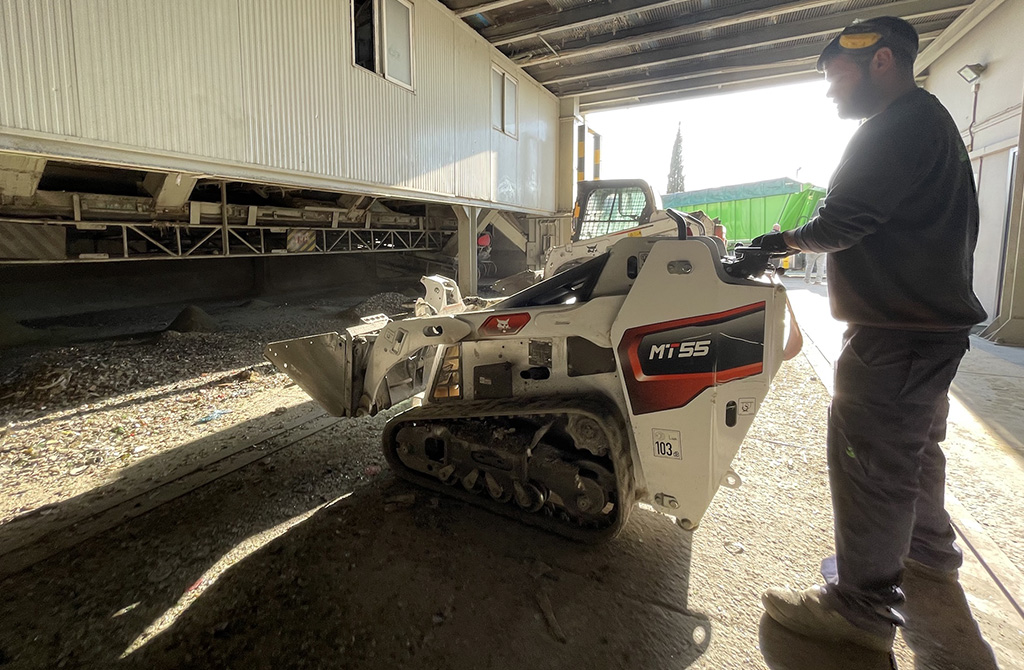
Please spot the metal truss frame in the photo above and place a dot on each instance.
(169, 240)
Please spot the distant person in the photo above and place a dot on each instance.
(777, 262)
(900, 225)
(720, 232)
(814, 261)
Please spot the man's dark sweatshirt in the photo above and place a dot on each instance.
(900, 223)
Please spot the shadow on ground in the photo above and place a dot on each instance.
(940, 630)
(436, 587)
(366, 582)
(45, 530)
(785, 650)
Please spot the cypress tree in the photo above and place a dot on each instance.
(676, 178)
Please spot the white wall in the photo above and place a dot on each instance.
(995, 42)
(267, 90)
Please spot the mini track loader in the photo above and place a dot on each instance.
(632, 377)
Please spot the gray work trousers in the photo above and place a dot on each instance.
(812, 259)
(886, 470)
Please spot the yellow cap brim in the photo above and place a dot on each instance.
(859, 40)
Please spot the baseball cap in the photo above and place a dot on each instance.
(864, 38)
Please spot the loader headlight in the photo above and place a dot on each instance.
(448, 383)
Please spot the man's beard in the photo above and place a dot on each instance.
(863, 102)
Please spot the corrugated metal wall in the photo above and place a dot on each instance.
(37, 67)
(161, 74)
(294, 75)
(265, 84)
(473, 171)
(433, 139)
(538, 151)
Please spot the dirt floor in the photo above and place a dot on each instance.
(308, 553)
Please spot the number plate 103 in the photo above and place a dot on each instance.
(667, 444)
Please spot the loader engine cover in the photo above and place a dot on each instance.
(671, 363)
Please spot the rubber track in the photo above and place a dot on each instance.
(601, 410)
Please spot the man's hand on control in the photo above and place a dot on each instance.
(775, 243)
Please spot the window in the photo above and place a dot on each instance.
(364, 34)
(609, 210)
(504, 102)
(382, 38)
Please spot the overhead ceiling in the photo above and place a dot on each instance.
(616, 53)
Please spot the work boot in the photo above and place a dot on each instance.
(919, 569)
(808, 613)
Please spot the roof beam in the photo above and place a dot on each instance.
(600, 82)
(714, 86)
(795, 62)
(587, 15)
(735, 73)
(910, 9)
(684, 25)
(695, 23)
(807, 55)
(485, 7)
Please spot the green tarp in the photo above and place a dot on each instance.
(749, 210)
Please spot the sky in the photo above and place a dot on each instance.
(784, 131)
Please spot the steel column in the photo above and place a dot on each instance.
(467, 235)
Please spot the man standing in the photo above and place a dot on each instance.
(814, 262)
(900, 224)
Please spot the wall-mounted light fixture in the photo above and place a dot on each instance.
(971, 73)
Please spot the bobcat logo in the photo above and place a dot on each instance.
(591, 248)
(502, 325)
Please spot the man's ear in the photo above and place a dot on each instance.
(883, 60)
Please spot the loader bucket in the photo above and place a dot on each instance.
(329, 367)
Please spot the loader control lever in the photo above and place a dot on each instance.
(751, 262)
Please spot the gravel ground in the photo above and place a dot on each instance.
(77, 417)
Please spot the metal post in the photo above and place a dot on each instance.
(581, 152)
(224, 217)
(568, 117)
(597, 155)
(467, 217)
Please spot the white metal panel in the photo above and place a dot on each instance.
(505, 162)
(37, 86)
(161, 74)
(472, 73)
(995, 108)
(547, 152)
(530, 127)
(294, 66)
(433, 112)
(378, 113)
(993, 201)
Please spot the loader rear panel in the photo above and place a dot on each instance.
(693, 381)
